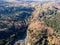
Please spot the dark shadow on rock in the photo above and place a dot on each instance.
(20, 35)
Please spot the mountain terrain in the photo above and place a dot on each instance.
(30, 23)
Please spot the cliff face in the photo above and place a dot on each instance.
(36, 24)
(43, 30)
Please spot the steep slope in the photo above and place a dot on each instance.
(35, 24)
(45, 22)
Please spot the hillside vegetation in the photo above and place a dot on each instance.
(32, 23)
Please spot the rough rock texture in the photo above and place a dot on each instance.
(40, 34)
